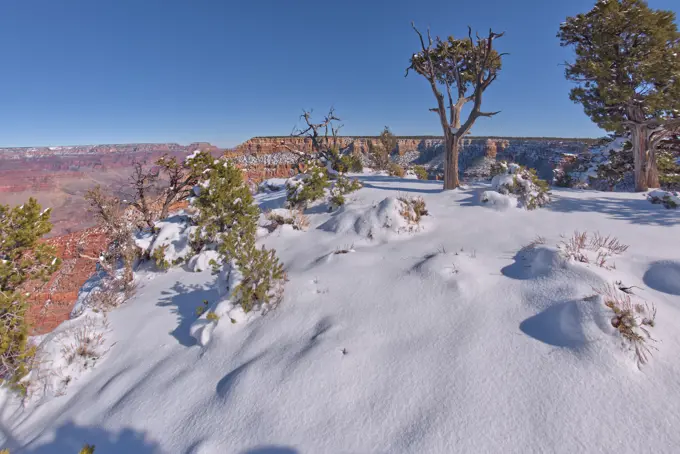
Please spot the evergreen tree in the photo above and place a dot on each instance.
(226, 211)
(628, 73)
(380, 152)
(22, 258)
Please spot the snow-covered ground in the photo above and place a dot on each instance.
(448, 338)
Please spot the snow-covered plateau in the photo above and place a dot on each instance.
(480, 331)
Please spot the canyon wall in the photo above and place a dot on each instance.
(542, 154)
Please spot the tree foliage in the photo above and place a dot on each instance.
(226, 212)
(381, 150)
(22, 258)
(463, 69)
(627, 72)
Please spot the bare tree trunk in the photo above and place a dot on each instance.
(640, 145)
(652, 169)
(452, 144)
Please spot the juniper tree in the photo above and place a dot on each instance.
(22, 258)
(226, 213)
(627, 68)
(381, 150)
(182, 177)
(464, 69)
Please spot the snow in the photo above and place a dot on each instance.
(175, 233)
(202, 261)
(457, 338)
(498, 200)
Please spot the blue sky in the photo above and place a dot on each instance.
(120, 71)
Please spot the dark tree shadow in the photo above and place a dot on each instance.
(401, 189)
(663, 277)
(184, 300)
(272, 200)
(69, 439)
(270, 450)
(635, 211)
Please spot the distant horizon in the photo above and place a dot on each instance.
(421, 137)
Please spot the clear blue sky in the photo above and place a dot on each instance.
(119, 71)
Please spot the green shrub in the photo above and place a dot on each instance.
(228, 217)
(158, 257)
(344, 163)
(395, 170)
(226, 212)
(420, 172)
(22, 258)
(342, 187)
(262, 276)
(309, 187)
(87, 449)
(531, 191)
(381, 150)
(212, 316)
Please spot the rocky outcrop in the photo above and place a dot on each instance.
(51, 302)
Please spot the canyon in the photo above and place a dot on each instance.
(58, 177)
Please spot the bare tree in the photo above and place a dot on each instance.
(464, 68)
(323, 136)
(110, 213)
(144, 183)
(182, 177)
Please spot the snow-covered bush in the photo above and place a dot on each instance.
(595, 248)
(413, 209)
(261, 277)
(395, 170)
(632, 320)
(22, 259)
(667, 199)
(226, 213)
(283, 216)
(522, 183)
(341, 187)
(307, 187)
(227, 221)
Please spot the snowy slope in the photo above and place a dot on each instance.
(448, 339)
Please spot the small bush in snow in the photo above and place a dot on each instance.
(213, 317)
(531, 192)
(342, 187)
(87, 343)
(159, 259)
(262, 277)
(420, 172)
(295, 218)
(669, 200)
(22, 259)
(344, 163)
(562, 178)
(413, 209)
(395, 170)
(307, 187)
(632, 320)
(595, 249)
(87, 449)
